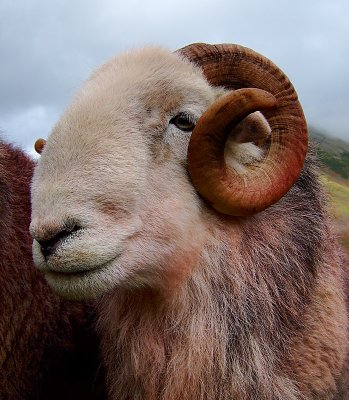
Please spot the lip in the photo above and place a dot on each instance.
(71, 279)
(68, 274)
(70, 261)
(80, 285)
(79, 272)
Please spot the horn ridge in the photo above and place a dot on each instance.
(234, 67)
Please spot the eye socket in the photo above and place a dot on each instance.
(184, 122)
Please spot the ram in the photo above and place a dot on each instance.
(176, 188)
(47, 347)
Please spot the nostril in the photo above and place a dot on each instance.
(49, 246)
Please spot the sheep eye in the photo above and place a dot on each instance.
(183, 122)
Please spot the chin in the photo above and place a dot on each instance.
(83, 285)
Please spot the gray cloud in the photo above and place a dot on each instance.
(48, 48)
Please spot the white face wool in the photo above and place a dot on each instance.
(114, 169)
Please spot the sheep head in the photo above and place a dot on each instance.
(113, 203)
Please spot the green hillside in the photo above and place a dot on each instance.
(333, 154)
(339, 195)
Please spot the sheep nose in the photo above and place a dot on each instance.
(50, 245)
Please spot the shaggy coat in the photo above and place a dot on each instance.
(47, 350)
(254, 320)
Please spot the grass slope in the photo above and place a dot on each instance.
(333, 154)
(338, 191)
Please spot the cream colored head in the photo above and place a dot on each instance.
(112, 200)
(113, 177)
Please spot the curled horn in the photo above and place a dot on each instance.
(257, 85)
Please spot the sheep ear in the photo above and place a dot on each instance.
(39, 145)
(253, 128)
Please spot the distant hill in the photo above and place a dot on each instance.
(332, 152)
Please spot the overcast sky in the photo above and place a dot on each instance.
(49, 47)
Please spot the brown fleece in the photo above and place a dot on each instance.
(260, 315)
(47, 349)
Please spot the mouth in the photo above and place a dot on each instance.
(83, 263)
(69, 256)
(79, 271)
(71, 274)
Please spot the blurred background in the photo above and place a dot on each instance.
(48, 48)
